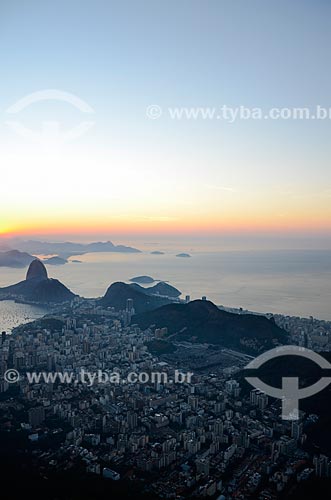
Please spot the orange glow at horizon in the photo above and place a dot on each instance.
(178, 226)
(111, 193)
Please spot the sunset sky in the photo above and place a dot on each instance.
(131, 175)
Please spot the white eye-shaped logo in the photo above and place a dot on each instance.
(50, 130)
(290, 393)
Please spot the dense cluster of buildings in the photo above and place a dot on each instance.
(206, 436)
(309, 332)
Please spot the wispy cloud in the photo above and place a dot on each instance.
(221, 188)
(157, 218)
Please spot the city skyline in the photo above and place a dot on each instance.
(165, 249)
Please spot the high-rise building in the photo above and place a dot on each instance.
(322, 466)
(193, 402)
(296, 430)
(132, 419)
(129, 306)
(262, 401)
(258, 398)
(232, 387)
(202, 465)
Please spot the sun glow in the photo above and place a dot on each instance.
(4, 230)
(70, 192)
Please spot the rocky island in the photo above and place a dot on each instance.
(143, 280)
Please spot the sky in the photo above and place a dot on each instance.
(80, 155)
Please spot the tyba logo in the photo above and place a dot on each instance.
(289, 393)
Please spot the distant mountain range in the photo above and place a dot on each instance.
(67, 249)
(15, 258)
(37, 287)
(202, 321)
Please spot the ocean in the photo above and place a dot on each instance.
(296, 283)
(13, 314)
